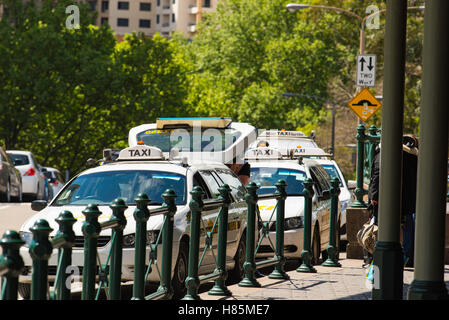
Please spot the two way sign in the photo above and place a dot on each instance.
(366, 70)
(364, 104)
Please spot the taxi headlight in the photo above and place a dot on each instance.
(129, 240)
(27, 237)
(293, 223)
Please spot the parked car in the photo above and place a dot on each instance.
(10, 179)
(33, 184)
(55, 180)
(268, 166)
(151, 174)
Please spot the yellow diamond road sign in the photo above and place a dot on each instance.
(364, 104)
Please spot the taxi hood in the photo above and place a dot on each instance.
(294, 207)
(50, 213)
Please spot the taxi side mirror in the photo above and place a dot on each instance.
(326, 195)
(38, 205)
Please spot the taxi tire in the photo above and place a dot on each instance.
(24, 290)
(236, 274)
(316, 246)
(179, 285)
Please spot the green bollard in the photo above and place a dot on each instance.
(281, 195)
(40, 251)
(141, 215)
(118, 207)
(250, 265)
(306, 254)
(65, 232)
(196, 207)
(169, 197)
(332, 250)
(220, 289)
(91, 230)
(359, 192)
(11, 243)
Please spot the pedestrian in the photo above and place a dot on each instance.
(373, 198)
(408, 208)
(242, 169)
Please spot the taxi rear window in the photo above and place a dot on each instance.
(188, 139)
(103, 187)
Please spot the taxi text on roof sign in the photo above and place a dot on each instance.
(263, 153)
(277, 133)
(308, 152)
(141, 152)
(364, 104)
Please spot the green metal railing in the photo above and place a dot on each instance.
(97, 276)
(366, 146)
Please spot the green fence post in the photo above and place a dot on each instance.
(281, 195)
(141, 215)
(332, 250)
(306, 254)
(11, 243)
(169, 197)
(118, 207)
(196, 207)
(91, 229)
(250, 265)
(40, 251)
(359, 191)
(65, 221)
(220, 289)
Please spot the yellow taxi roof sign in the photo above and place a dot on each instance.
(204, 122)
(140, 152)
(364, 104)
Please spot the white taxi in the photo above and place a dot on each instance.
(269, 165)
(197, 138)
(284, 140)
(144, 169)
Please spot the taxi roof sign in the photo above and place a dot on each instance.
(263, 153)
(140, 152)
(282, 133)
(204, 122)
(308, 152)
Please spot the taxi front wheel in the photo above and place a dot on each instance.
(180, 273)
(316, 246)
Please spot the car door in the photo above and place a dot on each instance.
(210, 185)
(321, 204)
(237, 209)
(4, 172)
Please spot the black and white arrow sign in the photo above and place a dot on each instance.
(366, 70)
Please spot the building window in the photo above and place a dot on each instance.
(122, 22)
(144, 23)
(104, 6)
(157, 19)
(173, 17)
(145, 6)
(93, 5)
(206, 4)
(123, 5)
(104, 21)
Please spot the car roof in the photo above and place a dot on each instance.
(162, 165)
(19, 152)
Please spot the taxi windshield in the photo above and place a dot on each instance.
(102, 188)
(189, 139)
(266, 178)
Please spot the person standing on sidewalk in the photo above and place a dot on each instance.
(409, 183)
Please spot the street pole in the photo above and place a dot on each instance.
(387, 257)
(428, 283)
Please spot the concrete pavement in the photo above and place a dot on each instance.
(345, 283)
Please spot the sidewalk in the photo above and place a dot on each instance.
(344, 283)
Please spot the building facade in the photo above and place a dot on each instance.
(151, 16)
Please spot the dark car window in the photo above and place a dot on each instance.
(228, 177)
(267, 177)
(19, 159)
(211, 183)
